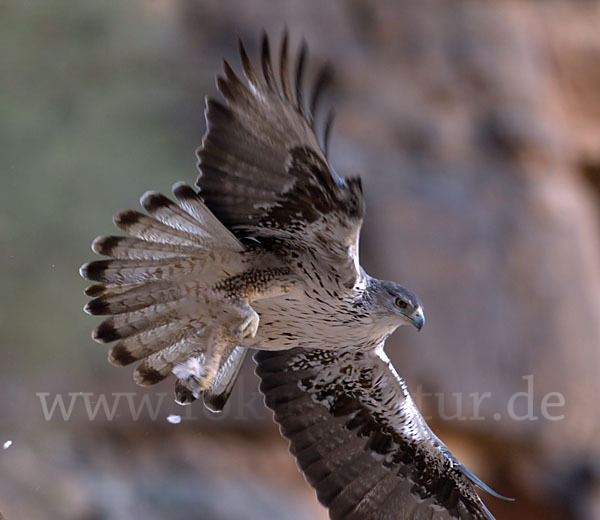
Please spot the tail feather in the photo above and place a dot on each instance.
(136, 298)
(147, 228)
(151, 288)
(217, 395)
(124, 272)
(138, 346)
(170, 214)
(124, 325)
(138, 249)
(148, 342)
(161, 363)
(99, 289)
(191, 202)
(146, 375)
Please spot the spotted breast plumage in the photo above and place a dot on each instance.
(264, 255)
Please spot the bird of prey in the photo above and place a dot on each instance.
(264, 255)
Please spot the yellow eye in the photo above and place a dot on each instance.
(400, 303)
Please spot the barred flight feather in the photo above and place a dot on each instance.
(125, 272)
(167, 212)
(124, 325)
(161, 362)
(147, 228)
(137, 249)
(101, 289)
(218, 393)
(136, 298)
(138, 346)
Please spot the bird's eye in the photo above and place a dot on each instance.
(400, 303)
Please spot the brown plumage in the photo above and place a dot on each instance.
(265, 256)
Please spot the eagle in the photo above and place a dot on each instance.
(263, 256)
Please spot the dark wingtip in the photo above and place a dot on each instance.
(181, 190)
(147, 376)
(241, 48)
(105, 332)
(324, 79)
(83, 271)
(229, 73)
(106, 245)
(247, 64)
(223, 88)
(153, 200)
(126, 218)
(97, 307)
(94, 271)
(119, 356)
(93, 291)
(283, 59)
(215, 402)
(299, 75)
(266, 64)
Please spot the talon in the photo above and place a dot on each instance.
(183, 395)
(248, 327)
(192, 376)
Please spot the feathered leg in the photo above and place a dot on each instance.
(235, 321)
(217, 395)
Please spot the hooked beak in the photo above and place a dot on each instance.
(417, 318)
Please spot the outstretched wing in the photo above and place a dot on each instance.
(264, 173)
(360, 441)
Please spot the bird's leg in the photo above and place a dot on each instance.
(183, 395)
(249, 321)
(191, 374)
(199, 372)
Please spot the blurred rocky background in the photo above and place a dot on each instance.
(476, 128)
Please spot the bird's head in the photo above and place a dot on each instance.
(396, 305)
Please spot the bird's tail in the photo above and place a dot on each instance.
(153, 286)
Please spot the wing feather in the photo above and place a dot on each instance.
(263, 172)
(267, 66)
(300, 62)
(359, 439)
(283, 72)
